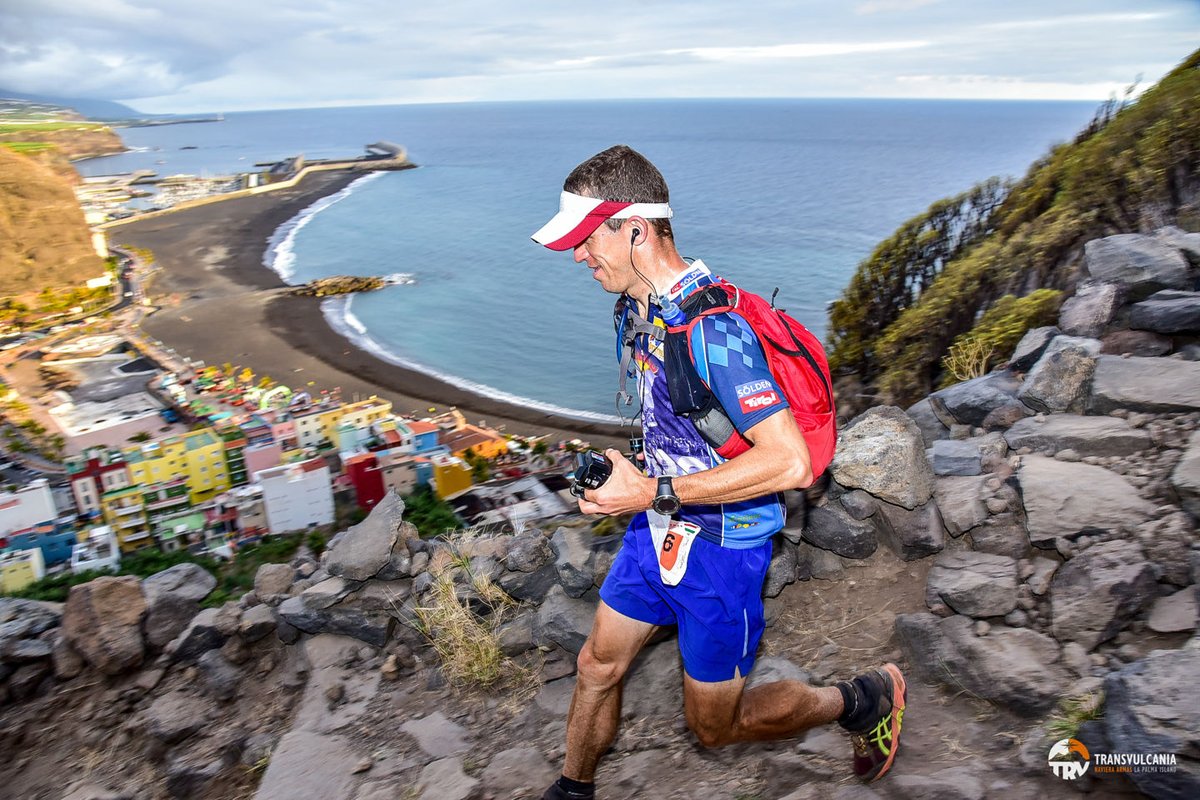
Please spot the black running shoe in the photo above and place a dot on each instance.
(875, 745)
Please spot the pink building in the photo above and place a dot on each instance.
(262, 456)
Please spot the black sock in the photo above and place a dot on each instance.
(576, 789)
(860, 698)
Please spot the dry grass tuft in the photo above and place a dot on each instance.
(1072, 712)
(467, 643)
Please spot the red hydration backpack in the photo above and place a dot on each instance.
(794, 355)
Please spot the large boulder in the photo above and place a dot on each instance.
(172, 598)
(564, 621)
(1168, 312)
(574, 564)
(21, 623)
(1015, 668)
(911, 533)
(1145, 384)
(361, 551)
(1145, 264)
(1187, 243)
(1098, 592)
(1063, 498)
(1186, 477)
(955, 457)
(1135, 343)
(202, 634)
(1151, 706)
(830, 528)
(374, 628)
(102, 621)
(1002, 535)
(961, 501)
(1087, 436)
(1059, 380)
(1031, 347)
(188, 581)
(969, 402)
(882, 452)
(528, 552)
(1090, 310)
(928, 420)
(975, 584)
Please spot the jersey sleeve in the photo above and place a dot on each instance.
(730, 360)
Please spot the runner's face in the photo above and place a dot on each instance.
(606, 253)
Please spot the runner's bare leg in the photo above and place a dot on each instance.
(614, 642)
(726, 712)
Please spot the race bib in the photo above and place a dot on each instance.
(672, 542)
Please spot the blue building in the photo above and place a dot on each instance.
(55, 539)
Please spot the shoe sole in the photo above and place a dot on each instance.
(899, 700)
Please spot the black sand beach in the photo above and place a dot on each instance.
(220, 304)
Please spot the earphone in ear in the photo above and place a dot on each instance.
(636, 233)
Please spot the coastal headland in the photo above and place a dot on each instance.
(219, 303)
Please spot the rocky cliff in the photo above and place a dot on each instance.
(73, 142)
(44, 241)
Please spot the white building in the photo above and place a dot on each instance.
(99, 552)
(297, 495)
(26, 507)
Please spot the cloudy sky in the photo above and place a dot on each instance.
(226, 55)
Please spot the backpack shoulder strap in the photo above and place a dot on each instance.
(629, 324)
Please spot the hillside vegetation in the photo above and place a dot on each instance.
(970, 268)
(44, 241)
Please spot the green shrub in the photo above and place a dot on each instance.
(936, 278)
(1001, 328)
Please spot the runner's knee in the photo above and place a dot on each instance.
(597, 672)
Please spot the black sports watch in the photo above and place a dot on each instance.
(666, 502)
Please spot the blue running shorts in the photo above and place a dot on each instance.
(717, 606)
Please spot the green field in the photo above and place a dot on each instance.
(27, 147)
(41, 127)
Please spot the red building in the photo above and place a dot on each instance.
(364, 473)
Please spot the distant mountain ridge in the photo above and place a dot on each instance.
(92, 109)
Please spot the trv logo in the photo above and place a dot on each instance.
(1069, 759)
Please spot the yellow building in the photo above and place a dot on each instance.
(329, 421)
(450, 475)
(197, 457)
(124, 511)
(208, 472)
(365, 412)
(19, 568)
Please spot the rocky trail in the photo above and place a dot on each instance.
(1023, 544)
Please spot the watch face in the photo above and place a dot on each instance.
(666, 504)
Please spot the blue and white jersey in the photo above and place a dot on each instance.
(730, 359)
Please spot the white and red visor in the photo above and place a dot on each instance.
(578, 216)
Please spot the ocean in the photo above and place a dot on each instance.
(791, 194)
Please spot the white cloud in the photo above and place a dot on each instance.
(787, 51)
(883, 6)
(1077, 19)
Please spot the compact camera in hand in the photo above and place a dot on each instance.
(592, 469)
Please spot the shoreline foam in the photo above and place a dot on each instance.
(280, 258)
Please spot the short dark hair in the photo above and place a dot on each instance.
(621, 174)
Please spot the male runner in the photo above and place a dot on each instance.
(697, 551)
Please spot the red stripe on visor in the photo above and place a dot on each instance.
(590, 221)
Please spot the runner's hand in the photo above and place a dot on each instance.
(626, 490)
